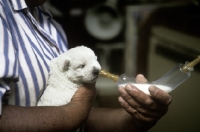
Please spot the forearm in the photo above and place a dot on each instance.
(15, 118)
(49, 118)
(108, 120)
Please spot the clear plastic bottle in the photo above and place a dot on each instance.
(168, 82)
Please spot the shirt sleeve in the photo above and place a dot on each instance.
(8, 60)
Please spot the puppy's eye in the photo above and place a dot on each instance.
(81, 66)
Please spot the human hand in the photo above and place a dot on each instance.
(85, 94)
(80, 105)
(146, 110)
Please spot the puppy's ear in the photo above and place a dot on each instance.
(63, 64)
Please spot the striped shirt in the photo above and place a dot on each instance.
(28, 41)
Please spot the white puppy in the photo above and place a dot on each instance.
(67, 72)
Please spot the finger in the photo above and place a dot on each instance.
(135, 113)
(150, 107)
(89, 85)
(123, 103)
(141, 79)
(129, 101)
(124, 94)
(132, 104)
(87, 89)
(141, 102)
(140, 97)
(160, 96)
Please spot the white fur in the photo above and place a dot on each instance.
(67, 72)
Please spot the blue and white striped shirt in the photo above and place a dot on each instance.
(27, 43)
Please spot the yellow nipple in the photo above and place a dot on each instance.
(106, 74)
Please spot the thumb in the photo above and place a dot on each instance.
(85, 94)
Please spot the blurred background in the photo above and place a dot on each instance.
(139, 36)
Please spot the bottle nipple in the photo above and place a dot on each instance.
(106, 74)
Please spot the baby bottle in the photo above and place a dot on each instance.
(168, 82)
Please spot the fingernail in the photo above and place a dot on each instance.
(128, 87)
(152, 89)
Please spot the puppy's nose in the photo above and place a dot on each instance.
(96, 71)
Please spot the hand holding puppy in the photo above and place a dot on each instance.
(80, 105)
